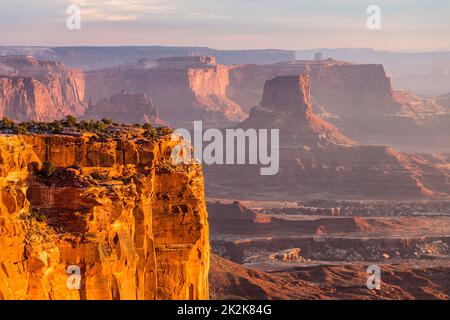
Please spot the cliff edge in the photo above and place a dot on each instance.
(114, 211)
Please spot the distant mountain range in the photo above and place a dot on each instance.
(104, 57)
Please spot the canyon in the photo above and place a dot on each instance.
(184, 89)
(125, 108)
(317, 161)
(31, 89)
(262, 252)
(114, 208)
(358, 99)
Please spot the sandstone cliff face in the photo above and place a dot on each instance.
(125, 107)
(287, 105)
(337, 87)
(39, 90)
(358, 100)
(317, 161)
(184, 89)
(135, 225)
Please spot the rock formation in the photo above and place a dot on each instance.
(286, 105)
(184, 89)
(116, 210)
(317, 161)
(338, 88)
(39, 90)
(90, 58)
(444, 100)
(401, 281)
(126, 108)
(359, 100)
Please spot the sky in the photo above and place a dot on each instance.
(406, 25)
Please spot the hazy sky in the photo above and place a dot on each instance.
(407, 25)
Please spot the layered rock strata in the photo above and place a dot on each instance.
(317, 161)
(114, 210)
(359, 100)
(39, 90)
(184, 89)
(125, 107)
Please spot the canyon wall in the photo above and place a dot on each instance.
(39, 90)
(317, 161)
(359, 100)
(125, 108)
(89, 58)
(337, 87)
(184, 89)
(134, 225)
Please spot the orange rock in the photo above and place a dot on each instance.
(184, 89)
(136, 230)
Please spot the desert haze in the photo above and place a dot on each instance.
(88, 181)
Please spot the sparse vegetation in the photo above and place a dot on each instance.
(71, 121)
(108, 122)
(20, 129)
(164, 131)
(104, 128)
(97, 175)
(48, 169)
(34, 215)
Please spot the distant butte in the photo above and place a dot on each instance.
(317, 161)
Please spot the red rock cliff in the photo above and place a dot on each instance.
(126, 108)
(339, 88)
(317, 161)
(134, 225)
(39, 90)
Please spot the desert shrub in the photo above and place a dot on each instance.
(108, 122)
(37, 215)
(97, 175)
(7, 123)
(147, 126)
(164, 131)
(71, 121)
(48, 169)
(151, 133)
(20, 129)
(56, 127)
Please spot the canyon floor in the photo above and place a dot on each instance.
(269, 250)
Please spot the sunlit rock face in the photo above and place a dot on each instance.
(184, 89)
(39, 90)
(133, 224)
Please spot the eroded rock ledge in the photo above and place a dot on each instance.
(134, 224)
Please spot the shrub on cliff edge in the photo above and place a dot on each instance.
(48, 169)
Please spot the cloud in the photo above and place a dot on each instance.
(120, 10)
